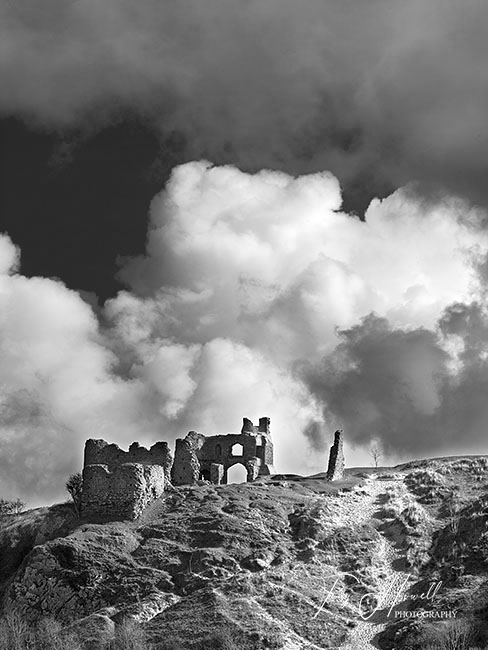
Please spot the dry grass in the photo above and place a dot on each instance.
(48, 634)
(455, 635)
(427, 484)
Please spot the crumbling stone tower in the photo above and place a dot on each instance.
(335, 470)
(199, 457)
(120, 484)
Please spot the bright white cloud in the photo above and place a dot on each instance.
(246, 278)
(268, 260)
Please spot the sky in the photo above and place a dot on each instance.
(218, 210)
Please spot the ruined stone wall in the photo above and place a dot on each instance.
(216, 473)
(121, 484)
(268, 456)
(335, 470)
(186, 466)
(218, 448)
(122, 493)
(196, 455)
(99, 452)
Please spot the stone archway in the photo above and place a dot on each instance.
(237, 474)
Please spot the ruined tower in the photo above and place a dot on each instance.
(335, 470)
(121, 484)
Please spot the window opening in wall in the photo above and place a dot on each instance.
(237, 449)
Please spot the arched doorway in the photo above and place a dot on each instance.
(237, 474)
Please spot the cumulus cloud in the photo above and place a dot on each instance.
(269, 262)
(57, 385)
(255, 297)
(381, 93)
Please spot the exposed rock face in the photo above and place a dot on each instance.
(335, 470)
(184, 571)
(73, 577)
(209, 458)
(121, 484)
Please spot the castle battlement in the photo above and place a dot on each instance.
(99, 452)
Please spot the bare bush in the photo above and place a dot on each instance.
(14, 632)
(129, 635)
(11, 507)
(453, 635)
(74, 485)
(48, 634)
(375, 454)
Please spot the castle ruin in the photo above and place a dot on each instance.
(209, 458)
(121, 484)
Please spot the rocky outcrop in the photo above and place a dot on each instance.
(254, 560)
(71, 578)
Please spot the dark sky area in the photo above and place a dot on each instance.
(99, 103)
(75, 201)
(74, 205)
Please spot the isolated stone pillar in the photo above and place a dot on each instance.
(335, 470)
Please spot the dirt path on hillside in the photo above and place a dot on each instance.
(360, 507)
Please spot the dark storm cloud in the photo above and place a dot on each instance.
(402, 388)
(398, 88)
(316, 435)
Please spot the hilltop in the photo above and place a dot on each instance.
(285, 562)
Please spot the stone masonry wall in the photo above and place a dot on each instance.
(335, 470)
(120, 484)
(186, 466)
(196, 455)
(99, 452)
(121, 493)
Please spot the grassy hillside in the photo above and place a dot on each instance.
(288, 562)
